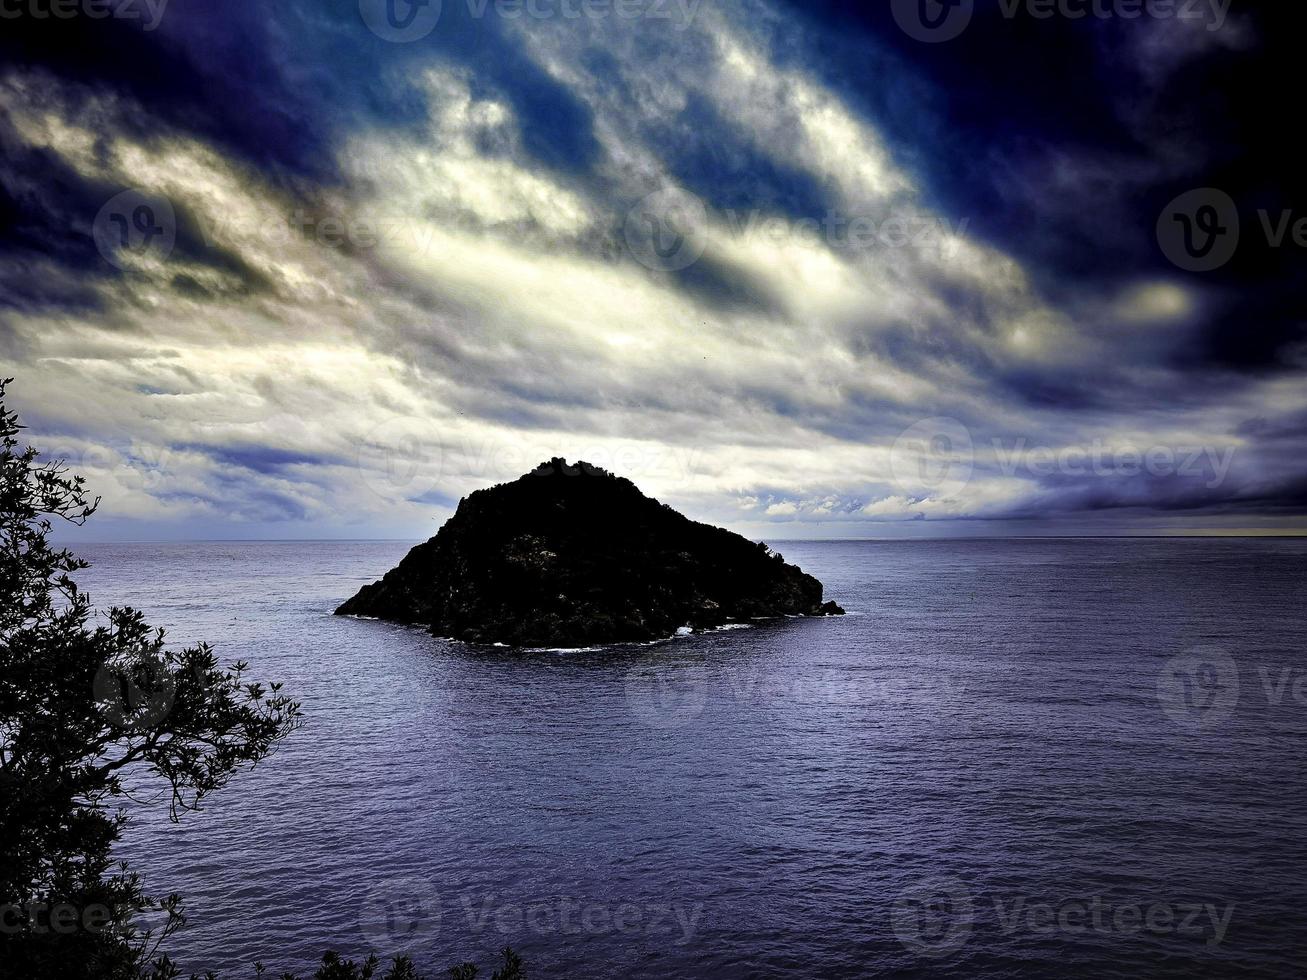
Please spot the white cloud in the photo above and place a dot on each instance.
(495, 321)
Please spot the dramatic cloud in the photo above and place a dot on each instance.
(267, 272)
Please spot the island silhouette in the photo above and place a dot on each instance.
(570, 555)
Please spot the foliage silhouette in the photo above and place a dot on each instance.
(94, 709)
(91, 709)
(334, 968)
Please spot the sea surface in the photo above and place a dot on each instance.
(1013, 758)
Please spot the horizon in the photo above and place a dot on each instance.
(1180, 535)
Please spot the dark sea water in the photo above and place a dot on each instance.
(1020, 758)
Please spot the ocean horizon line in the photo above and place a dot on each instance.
(1186, 535)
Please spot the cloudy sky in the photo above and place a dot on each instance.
(317, 269)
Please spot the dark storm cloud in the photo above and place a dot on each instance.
(1058, 142)
(275, 86)
(717, 161)
(208, 69)
(264, 459)
(46, 212)
(1064, 140)
(722, 286)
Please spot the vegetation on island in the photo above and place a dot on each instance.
(570, 555)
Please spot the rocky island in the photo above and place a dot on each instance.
(571, 555)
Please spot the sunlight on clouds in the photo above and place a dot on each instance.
(452, 177)
(623, 328)
(234, 210)
(1154, 302)
(477, 313)
(795, 119)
